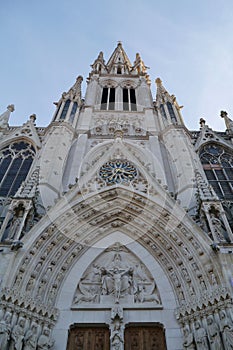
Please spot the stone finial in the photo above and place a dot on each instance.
(101, 56)
(223, 114)
(32, 118)
(158, 81)
(202, 122)
(11, 108)
(79, 79)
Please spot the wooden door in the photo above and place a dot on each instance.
(150, 337)
(88, 338)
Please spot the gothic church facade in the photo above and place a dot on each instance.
(116, 221)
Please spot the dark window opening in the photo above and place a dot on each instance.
(162, 110)
(65, 110)
(119, 70)
(129, 100)
(125, 100)
(112, 99)
(108, 99)
(133, 100)
(172, 113)
(73, 111)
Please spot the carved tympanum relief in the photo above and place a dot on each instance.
(117, 276)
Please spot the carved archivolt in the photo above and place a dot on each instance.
(174, 246)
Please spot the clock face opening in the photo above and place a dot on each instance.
(118, 171)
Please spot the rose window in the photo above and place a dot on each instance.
(118, 171)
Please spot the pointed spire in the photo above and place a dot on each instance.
(98, 66)
(119, 59)
(139, 65)
(75, 92)
(161, 92)
(4, 118)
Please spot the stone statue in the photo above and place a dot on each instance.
(5, 330)
(116, 339)
(219, 228)
(117, 312)
(213, 332)
(200, 337)
(30, 339)
(17, 335)
(228, 121)
(226, 330)
(116, 281)
(188, 338)
(44, 341)
(142, 296)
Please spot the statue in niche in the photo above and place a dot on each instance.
(5, 331)
(226, 330)
(213, 332)
(116, 275)
(16, 222)
(44, 341)
(188, 338)
(219, 228)
(30, 339)
(17, 335)
(200, 337)
(116, 339)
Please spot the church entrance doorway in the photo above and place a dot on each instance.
(91, 337)
(145, 337)
(136, 337)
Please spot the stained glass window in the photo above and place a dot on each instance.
(218, 166)
(65, 110)
(118, 171)
(15, 162)
(171, 112)
(162, 110)
(73, 111)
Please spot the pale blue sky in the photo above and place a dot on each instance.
(46, 44)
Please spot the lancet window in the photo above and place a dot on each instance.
(15, 162)
(162, 110)
(108, 98)
(65, 110)
(218, 166)
(171, 112)
(73, 111)
(129, 99)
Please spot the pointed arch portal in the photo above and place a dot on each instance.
(160, 264)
